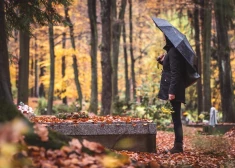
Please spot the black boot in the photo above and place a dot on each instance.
(178, 148)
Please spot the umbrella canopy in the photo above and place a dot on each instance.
(181, 43)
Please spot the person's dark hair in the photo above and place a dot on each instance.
(168, 42)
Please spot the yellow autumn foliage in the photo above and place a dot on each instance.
(109, 161)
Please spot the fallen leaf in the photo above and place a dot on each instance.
(93, 146)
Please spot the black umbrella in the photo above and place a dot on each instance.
(181, 43)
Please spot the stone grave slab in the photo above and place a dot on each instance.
(135, 136)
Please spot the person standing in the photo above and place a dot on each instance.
(172, 88)
(179, 72)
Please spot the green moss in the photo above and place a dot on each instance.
(56, 140)
(8, 111)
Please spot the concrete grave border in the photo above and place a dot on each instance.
(134, 136)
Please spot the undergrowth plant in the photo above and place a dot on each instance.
(157, 110)
(211, 144)
(57, 108)
(42, 106)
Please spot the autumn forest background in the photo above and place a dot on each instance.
(101, 56)
(98, 58)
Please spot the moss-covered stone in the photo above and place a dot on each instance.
(8, 112)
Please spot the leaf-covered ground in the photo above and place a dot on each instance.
(199, 150)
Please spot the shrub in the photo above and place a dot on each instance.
(42, 106)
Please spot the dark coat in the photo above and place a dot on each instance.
(172, 79)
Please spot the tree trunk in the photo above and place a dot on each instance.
(127, 84)
(63, 68)
(225, 76)
(5, 85)
(52, 70)
(31, 73)
(41, 91)
(105, 57)
(8, 110)
(114, 54)
(36, 76)
(23, 81)
(206, 34)
(75, 65)
(131, 53)
(94, 41)
(117, 23)
(36, 69)
(198, 53)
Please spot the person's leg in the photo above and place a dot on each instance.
(176, 117)
(178, 130)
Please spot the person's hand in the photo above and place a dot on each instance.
(171, 96)
(160, 58)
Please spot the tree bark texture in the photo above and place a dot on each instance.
(75, 65)
(131, 53)
(198, 53)
(5, 85)
(225, 76)
(127, 84)
(52, 70)
(93, 53)
(206, 34)
(114, 56)
(63, 69)
(31, 73)
(42, 70)
(117, 22)
(36, 77)
(23, 81)
(106, 57)
(34, 70)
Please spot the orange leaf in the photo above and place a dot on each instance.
(93, 146)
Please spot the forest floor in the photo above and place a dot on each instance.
(199, 150)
